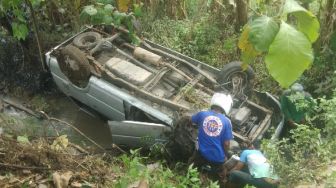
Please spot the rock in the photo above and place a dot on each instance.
(42, 186)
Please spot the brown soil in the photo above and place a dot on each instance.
(34, 163)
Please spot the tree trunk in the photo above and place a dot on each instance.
(241, 11)
(329, 10)
(327, 25)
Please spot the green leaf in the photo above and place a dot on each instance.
(137, 10)
(98, 18)
(20, 31)
(23, 139)
(308, 24)
(118, 17)
(90, 10)
(306, 21)
(292, 6)
(36, 3)
(262, 32)
(108, 19)
(289, 55)
(108, 8)
(19, 15)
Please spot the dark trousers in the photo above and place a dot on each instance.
(242, 178)
(215, 168)
(199, 162)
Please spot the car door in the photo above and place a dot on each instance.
(138, 134)
(106, 99)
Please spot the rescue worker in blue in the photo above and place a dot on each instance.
(214, 134)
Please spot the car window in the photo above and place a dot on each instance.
(136, 114)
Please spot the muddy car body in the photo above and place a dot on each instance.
(143, 90)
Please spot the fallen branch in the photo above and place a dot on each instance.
(81, 165)
(79, 148)
(24, 167)
(20, 107)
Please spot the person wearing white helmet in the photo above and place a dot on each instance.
(214, 133)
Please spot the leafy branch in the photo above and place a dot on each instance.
(285, 43)
(105, 13)
(19, 22)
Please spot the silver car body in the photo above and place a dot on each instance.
(113, 102)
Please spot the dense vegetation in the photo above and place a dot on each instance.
(210, 31)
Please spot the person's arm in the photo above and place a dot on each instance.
(195, 118)
(240, 165)
(227, 136)
(242, 161)
(226, 146)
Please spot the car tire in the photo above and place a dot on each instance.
(74, 65)
(232, 70)
(87, 40)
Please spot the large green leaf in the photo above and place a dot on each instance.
(292, 6)
(308, 24)
(90, 10)
(108, 8)
(20, 30)
(289, 55)
(262, 33)
(306, 21)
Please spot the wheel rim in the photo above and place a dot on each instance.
(89, 40)
(236, 82)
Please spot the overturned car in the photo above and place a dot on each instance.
(146, 91)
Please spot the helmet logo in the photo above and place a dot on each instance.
(212, 126)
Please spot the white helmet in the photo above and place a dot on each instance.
(223, 101)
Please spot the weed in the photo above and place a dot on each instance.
(39, 103)
(310, 149)
(194, 37)
(135, 170)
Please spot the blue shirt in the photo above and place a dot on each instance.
(213, 129)
(257, 164)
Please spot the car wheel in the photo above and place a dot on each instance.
(233, 78)
(74, 65)
(87, 40)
